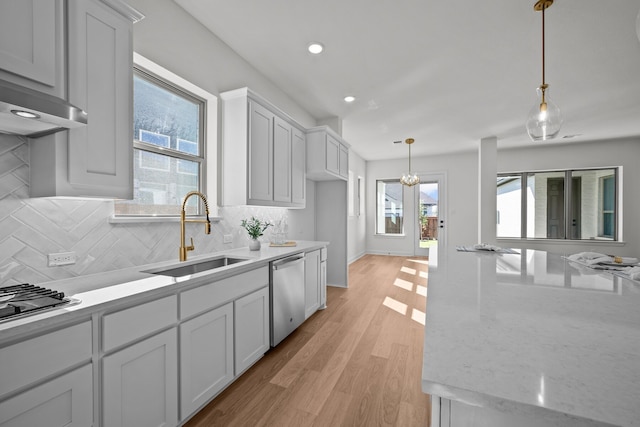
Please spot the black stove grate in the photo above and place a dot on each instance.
(25, 298)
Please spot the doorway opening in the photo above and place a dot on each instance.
(430, 224)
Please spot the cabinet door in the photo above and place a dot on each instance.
(332, 155)
(140, 383)
(281, 161)
(100, 82)
(31, 44)
(311, 283)
(323, 284)
(206, 357)
(260, 153)
(66, 401)
(298, 168)
(344, 161)
(251, 320)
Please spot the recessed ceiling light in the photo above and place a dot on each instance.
(25, 114)
(315, 48)
(349, 98)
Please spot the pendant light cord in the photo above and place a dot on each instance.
(543, 8)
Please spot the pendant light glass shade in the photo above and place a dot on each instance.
(409, 179)
(544, 120)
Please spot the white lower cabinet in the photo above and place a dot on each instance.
(140, 383)
(66, 401)
(323, 278)
(311, 283)
(206, 357)
(251, 319)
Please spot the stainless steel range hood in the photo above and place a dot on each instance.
(47, 114)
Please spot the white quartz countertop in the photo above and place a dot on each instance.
(533, 330)
(111, 290)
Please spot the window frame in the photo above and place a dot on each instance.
(568, 174)
(209, 128)
(401, 233)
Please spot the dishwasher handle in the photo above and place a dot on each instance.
(287, 262)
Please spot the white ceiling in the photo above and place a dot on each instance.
(446, 73)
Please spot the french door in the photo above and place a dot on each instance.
(429, 232)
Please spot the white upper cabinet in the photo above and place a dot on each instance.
(95, 160)
(260, 146)
(298, 168)
(32, 45)
(327, 155)
(263, 160)
(282, 165)
(101, 83)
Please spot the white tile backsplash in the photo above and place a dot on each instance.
(31, 228)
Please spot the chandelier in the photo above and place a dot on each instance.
(409, 179)
(544, 119)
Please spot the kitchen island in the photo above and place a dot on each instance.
(530, 339)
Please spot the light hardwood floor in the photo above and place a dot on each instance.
(357, 363)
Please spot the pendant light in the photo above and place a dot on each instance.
(544, 119)
(409, 179)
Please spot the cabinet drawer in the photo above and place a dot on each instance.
(136, 322)
(217, 293)
(65, 401)
(32, 360)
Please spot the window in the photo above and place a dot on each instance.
(570, 204)
(168, 148)
(389, 209)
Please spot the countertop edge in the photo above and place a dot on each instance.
(134, 284)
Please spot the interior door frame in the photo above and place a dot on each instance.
(440, 179)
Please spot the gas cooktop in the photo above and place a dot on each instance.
(23, 299)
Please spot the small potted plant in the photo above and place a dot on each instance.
(254, 228)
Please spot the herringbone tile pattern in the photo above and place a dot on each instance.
(31, 228)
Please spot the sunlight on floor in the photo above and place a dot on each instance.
(404, 284)
(408, 270)
(421, 290)
(395, 305)
(418, 316)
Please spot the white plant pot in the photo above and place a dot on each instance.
(254, 245)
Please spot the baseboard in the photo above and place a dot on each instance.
(391, 253)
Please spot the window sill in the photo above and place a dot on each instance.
(393, 236)
(563, 241)
(154, 219)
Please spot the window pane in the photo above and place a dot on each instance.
(545, 205)
(160, 184)
(608, 210)
(509, 205)
(389, 210)
(165, 117)
(593, 204)
(584, 208)
(168, 148)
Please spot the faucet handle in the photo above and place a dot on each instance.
(190, 247)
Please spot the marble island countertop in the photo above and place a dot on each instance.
(533, 333)
(109, 290)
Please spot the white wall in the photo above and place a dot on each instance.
(170, 37)
(461, 193)
(356, 224)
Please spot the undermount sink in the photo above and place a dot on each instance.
(198, 267)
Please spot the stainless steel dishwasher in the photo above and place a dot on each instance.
(286, 296)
